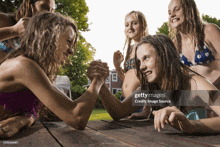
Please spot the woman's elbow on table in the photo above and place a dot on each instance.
(77, 123)
(75, 119)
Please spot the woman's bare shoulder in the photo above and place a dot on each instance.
(18, 64)
(212, 37)
(211, 32)
(15, 70)
(210, 27)
(198, 82)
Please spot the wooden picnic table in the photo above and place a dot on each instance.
(107, 134)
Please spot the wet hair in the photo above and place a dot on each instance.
(40, 40)
(173, 70)
(144, 32)
(193, 25)
(25, 9)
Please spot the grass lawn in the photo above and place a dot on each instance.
(98, 114)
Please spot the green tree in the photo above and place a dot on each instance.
(77, 9)
(164, 29)
(209, 19)
(118, 95)
(76, 70)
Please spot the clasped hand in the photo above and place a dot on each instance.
(98, 69)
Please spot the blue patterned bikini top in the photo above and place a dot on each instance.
(9, 45)
(201, 57)
(130, 64)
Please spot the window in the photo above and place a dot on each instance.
(114, 77)
(115, 90)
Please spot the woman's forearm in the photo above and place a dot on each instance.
(2, 56)
(111, 104)
(115, 108)
(85, 104)
(120, 73)
(208, 125)
(7, 33)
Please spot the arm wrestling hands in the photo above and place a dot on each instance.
(98, 69)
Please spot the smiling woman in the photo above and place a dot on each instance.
(27, 74)
(159, 68)
(197, 42)
(135, 29)
(65, 44)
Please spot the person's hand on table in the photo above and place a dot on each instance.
(174, 117)
(12, 125)
(144, 114)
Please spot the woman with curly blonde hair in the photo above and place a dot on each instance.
(13, 25)
(27, 74)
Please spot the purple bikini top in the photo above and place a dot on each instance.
(24, 102)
